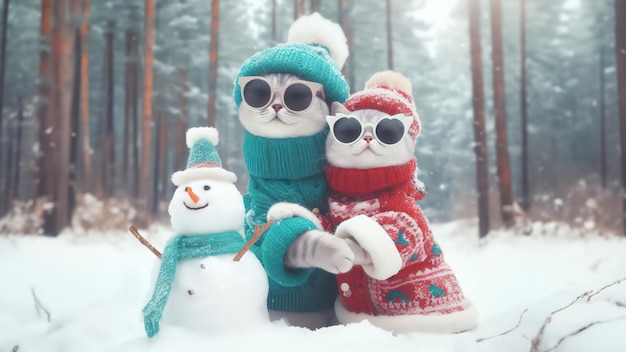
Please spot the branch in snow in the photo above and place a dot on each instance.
(537, 340)
(505, 332)
(579, 331)
(605, 287)
(38, 307)
(144, 241)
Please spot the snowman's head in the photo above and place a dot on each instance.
(204, 207)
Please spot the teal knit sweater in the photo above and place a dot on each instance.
(287, 170)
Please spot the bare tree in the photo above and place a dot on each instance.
(3, 55)
(389, 35)
(45, 93)
(146, 143)
(215, 24)
(344, 21)
(315, 5)
(620, 56)
(179, 159)
(502, 153)
(84, 90)
(108, 156)
(603, 163)
(274, 39)
(55, 126)
(524, 108)
(478, 99)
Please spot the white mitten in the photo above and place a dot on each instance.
(284, 210)
(385, 260)
(322, 250)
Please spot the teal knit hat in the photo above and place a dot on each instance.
(315, 51)
(204, 162)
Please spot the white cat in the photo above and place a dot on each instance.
(408, 287)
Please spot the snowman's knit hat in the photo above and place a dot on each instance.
(204, 162)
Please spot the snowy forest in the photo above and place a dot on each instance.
(522, 151)
(92, 112)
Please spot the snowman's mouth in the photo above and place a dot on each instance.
(197, 208)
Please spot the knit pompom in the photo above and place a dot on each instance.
(315, 29)
(197, 133)
(391, 80)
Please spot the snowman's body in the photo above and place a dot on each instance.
(217, 295)
(214, 294)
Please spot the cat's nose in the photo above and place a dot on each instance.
(277, 107)
(368, 138)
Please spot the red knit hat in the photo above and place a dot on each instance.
(389, 92)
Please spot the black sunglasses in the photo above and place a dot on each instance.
(297, 97)
(349, 129)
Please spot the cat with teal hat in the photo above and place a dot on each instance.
(283, 95)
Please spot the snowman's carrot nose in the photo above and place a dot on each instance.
(192, 195)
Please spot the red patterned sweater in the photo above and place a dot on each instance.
(425, 284)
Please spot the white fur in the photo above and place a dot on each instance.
(364, 155)
(437, 323)
(197, 133)
(386, 260)
(319, 30)
(390, 79)
(283, 124)
(285, 210)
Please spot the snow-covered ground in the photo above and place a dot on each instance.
(94, 286)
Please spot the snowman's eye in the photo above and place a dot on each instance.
(186, 189)
(207, 187)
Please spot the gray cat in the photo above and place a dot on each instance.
(283, 95)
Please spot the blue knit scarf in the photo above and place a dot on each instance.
(179, 248)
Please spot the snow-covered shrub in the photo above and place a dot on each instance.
(93, 214)
(23, 218)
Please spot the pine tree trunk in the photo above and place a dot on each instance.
(3, 54)
(524, 109)
(296, 9)
(344, 21)
(75, 12)
(215, 18)
(389, 35)
(9, 169)
(179, 158)
(18, 148)
(480, 136)
(146, 143)
(620, 53)
(603, 164)
(107, 136)
(274, 39)
(315, 5)
(502, 153)
(162, 170)
(45, 97)
(84, 93)
(134, 100)
(126, 137)
(57, 152)
(158, 158)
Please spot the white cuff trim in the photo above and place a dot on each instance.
(386, 260)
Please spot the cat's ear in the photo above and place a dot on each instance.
(338, 108)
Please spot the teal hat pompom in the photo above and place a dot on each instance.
(315, 51)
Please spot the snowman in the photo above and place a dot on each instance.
(199, 286)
